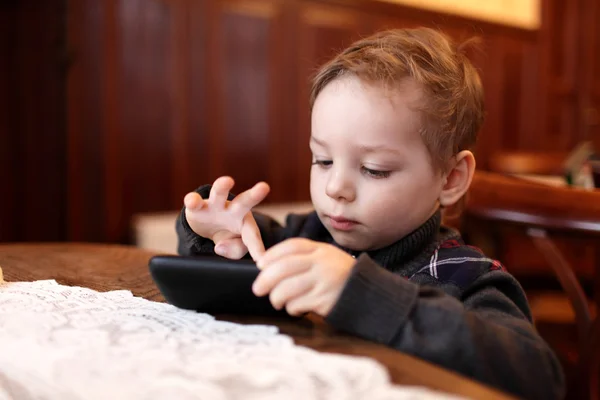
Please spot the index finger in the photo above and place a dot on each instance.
(251, 237)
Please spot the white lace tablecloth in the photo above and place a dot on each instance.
(61, 342)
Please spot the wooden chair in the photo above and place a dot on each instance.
(544, 213)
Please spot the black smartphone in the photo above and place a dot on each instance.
(210, 284)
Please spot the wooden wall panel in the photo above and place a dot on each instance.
(284, 100)
(126, 112)
(32, 71)
(570, 47)
(183, 47)
(198, 78)
(559, 45)
(505, 67)
(164, 95)
(530, 112)
(589, 122)
(10, 195)
(490, 64)
(512, 98)
(138, 145)
(249, 66)
(87, 27)
(238, 118)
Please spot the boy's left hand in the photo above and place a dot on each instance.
(303, 275)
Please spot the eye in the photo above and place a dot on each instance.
(322, 163)
(373, 173)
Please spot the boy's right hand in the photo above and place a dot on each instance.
(230, 224)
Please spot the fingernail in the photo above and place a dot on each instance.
(221, 250)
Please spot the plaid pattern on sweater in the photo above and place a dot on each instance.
(461, 265)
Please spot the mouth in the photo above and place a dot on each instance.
(341, 223)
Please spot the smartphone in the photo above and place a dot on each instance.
(209, 284)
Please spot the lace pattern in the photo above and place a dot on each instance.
(62, 342)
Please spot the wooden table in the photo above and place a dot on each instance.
(113, 267)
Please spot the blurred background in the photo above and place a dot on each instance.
(110, 108)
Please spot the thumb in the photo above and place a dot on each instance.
(231, 248)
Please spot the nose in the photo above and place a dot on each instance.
(340, 186)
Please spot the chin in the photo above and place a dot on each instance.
(349, 242)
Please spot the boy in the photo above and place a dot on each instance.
(393, 119)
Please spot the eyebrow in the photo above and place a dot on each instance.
(365, 148)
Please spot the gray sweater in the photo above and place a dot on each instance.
(431, 296)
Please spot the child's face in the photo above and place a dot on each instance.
(372, 180)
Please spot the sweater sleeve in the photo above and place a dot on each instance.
(190, 243)
(483, 332)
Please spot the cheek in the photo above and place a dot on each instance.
(316, 183)
(384, 201)
(427, 188)
(407, 198)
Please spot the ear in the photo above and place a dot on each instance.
(458, 179)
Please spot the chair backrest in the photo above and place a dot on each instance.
(509, 199)
(542, 211)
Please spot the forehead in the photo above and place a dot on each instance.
(350, 108)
